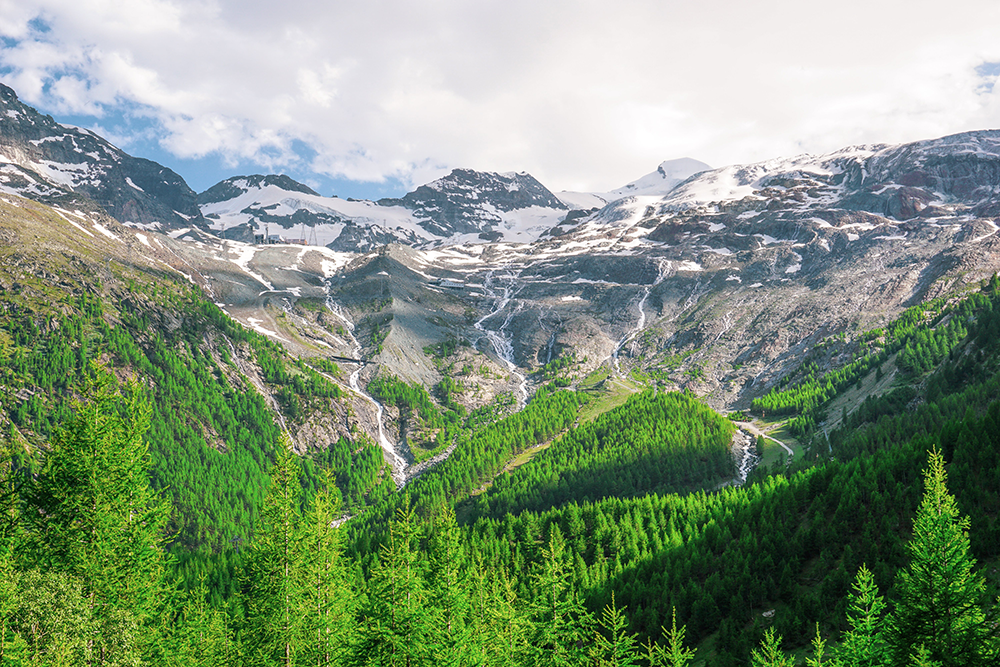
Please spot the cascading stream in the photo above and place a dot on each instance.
(502, 342)
(663, 270)
(396, 462)
(748, 460)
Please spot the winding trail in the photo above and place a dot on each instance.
(749, 426)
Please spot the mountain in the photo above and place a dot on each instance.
(469, 205)
(666, 177)
(45, 160)
(520, 389)
(465, 206)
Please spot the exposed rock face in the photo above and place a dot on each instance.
(54, 160)
(238, 185)
(482, 206)
(467, 201)
(722, 285)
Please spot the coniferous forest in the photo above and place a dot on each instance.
(620, 542)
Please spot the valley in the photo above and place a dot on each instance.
(486, 423)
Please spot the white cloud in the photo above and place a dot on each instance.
(582, 95)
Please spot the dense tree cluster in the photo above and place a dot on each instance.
(210, 436)
(87, 577)
(922, 335)
(587, 554)
(655, 442)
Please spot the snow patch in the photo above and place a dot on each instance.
(104, 230)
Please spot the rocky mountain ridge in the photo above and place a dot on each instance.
(44, 160)
(464, 206)
(722, 285)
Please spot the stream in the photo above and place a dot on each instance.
(396, 462)
(663, 270)
(502, 341)
(744, 443)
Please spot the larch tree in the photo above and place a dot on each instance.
(864, 644)
(940, 605)
(93, 516)
(272, 588)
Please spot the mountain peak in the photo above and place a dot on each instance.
(237, 185)
(667, 176)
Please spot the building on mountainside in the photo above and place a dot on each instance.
(271, 239)
(447, 282)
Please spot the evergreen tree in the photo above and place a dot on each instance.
(676, 654)
(328, 603)
(501, 624)
(12, 645)
(770, 654)
(864, 644)
(615, 646)
(448, 596)
(559, 619)
(202, 634)
(273, 594)
(395, 629)
(940, 596)
(819, 653)
(94, 517)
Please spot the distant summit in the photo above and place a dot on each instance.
(237, 185)
(667, 176)
(476, 202)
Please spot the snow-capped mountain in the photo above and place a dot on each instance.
(924, 178)
(464, 206)
(660, 182)
(871, 185)
(668, 175)
(42, 159)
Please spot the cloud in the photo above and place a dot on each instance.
(584, 95)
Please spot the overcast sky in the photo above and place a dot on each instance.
(371, 97)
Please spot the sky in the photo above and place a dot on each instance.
(371, 98)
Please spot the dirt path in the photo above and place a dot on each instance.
(749, 426)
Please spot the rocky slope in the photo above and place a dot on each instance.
(465, 206)
(44, 160)
(720, 286)
(721, 283)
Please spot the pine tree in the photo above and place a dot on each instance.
(940, 596)
(615, 646)
(559, 619)
(394, 625)
(448, 596)
(202, 636)
(328, 602)
(770, 654)
(502, 626)
(273, 633)
(94, 516)
(864, 644)
(12, 645)
(818, 657)
(676, 654)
